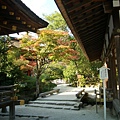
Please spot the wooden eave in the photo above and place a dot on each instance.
(88, 20)
(16, 17)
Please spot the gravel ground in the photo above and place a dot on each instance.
(36, 113)
(32, 113)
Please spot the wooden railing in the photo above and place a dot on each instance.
(6, 95)
(116, 108)
(49, 93)
(80, 95)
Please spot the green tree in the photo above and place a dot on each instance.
(10, 72)
(54, 71)
(42, 50)
(79, 62)
(70, 73)
(56, 21)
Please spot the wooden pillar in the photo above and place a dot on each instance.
(117, 45)
(12, 111)
(113, 74)
(109, 73)
(4, 109)
(115, 15)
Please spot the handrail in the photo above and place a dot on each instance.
(4, 87)
(8, 87)
(6, 94)
(49, 92)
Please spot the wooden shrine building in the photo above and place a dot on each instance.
(96, 26)
(15, 17)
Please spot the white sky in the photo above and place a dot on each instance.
(40, 7)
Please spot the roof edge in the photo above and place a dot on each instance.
(29, 12)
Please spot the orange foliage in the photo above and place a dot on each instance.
(73, 41)
(73, 57)
(58, 32)
(26, 67)
(61, 47)
(61, 42)
(32, 63)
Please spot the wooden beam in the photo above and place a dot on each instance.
(79, 5)
(92, 21)
(88, 15)
(87, 9)
(15, 25)
(93, 39)
(117, 46)
(89, 31)
(107, 5)
(89, 28)
(98, 0)
(95, 34)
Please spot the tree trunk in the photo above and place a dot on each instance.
(37, 86)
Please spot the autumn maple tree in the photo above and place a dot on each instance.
(51, 45)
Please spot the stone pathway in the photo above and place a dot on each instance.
(57, 107)
(66, 99)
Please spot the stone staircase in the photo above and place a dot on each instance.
(58, 101)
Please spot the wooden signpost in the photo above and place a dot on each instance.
(103, 71)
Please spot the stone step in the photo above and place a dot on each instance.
(25, 115)
(70, 103)
(52, 106)
(48, 99)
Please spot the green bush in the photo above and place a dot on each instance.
(27, 89)
(47, 86)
